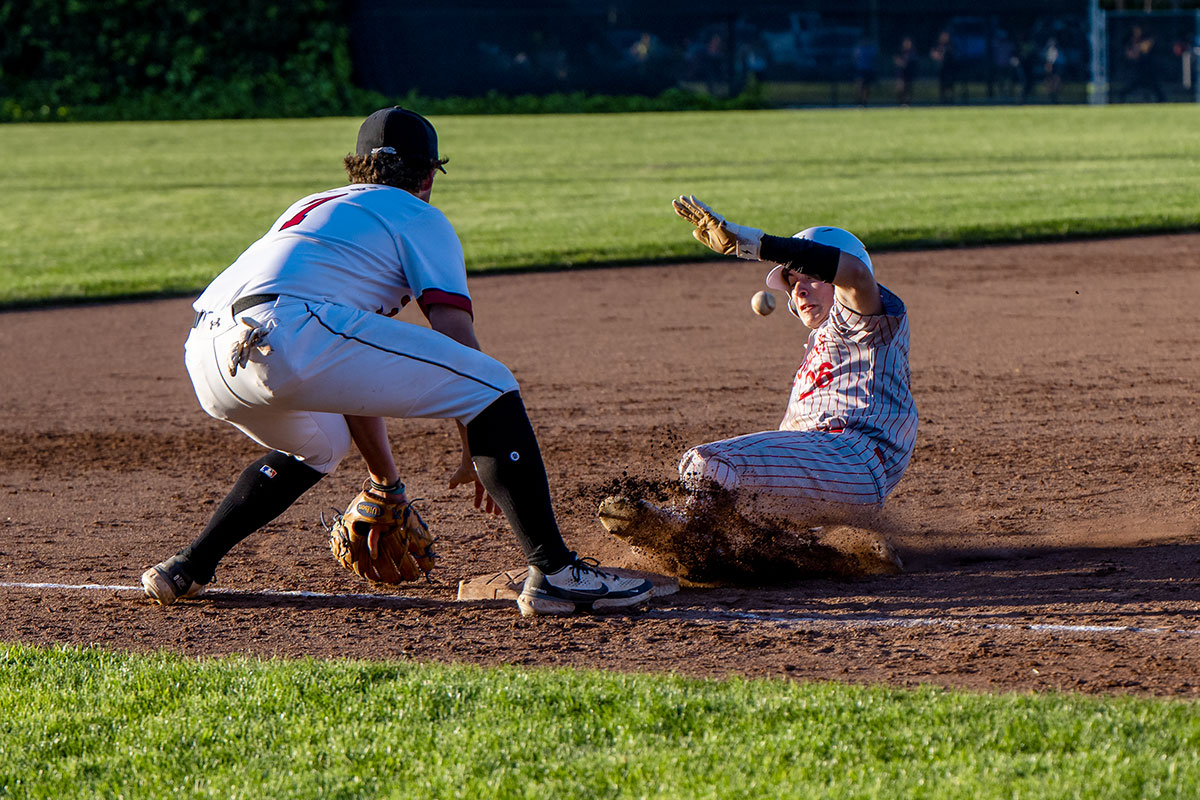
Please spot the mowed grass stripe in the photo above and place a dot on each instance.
(89, 723)
(107, 209)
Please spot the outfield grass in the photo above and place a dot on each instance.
(100, 210)
(86, 723)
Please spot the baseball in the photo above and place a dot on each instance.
(763, 303)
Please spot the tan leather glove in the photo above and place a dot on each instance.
(715, 232)
(382, 538)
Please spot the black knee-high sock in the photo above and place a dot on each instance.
(264, 490)
(509, 464)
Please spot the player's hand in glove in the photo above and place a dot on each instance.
(715, 232)
(382, 538)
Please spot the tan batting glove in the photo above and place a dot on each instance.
(717, 234)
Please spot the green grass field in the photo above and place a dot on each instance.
(93, 724)
(103, 210)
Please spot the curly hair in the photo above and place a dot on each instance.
(389, 169)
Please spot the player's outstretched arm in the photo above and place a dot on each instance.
(853, 281)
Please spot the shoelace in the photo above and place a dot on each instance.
(588, 564)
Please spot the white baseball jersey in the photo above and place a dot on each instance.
(850, 426)
(364, 246)
(325, 280)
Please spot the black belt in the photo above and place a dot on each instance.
(252, 300)
(240, 305)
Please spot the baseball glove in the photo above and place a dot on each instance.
(715, 232)
(381, 539)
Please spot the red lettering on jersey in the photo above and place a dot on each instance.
(296, 220)
(818, 349)
(821, 377)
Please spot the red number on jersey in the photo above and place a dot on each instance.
(296, 220)
(816, 380)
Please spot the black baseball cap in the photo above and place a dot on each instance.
(407, 133)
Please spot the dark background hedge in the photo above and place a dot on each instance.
(176, 59)
(172, 59)
(189, 59)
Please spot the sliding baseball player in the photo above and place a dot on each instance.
(850, 426)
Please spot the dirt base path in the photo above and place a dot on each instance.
(1049, 520)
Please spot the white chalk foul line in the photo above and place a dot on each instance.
(100, 587)
(709, 617)
(796, 621)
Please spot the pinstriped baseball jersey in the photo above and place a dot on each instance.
(855, 377)
(850, 425)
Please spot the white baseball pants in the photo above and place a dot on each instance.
(326, 360)
(790, 468)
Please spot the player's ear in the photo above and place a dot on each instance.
(425, 188)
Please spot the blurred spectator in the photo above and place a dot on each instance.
(1139, 56)
(1182, 49)
(944, 56)
(864, 69)
(639, 51)
(713, 63)
(1003, 61)
(752, 60)
(906, 70)
(1052, 59)
(1026, 58)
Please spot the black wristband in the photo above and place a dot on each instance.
(807, 257)
(395, 488)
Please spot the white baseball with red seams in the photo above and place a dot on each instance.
(850, 426)
(341, 262)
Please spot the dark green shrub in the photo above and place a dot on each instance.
(125, 59)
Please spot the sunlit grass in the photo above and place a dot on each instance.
(88, 723)
(105, 209)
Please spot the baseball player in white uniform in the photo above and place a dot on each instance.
(850, 426)
(297, 345)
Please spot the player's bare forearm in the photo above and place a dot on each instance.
(455, 323)
(459, 326)
(462, 434)
(466, 474)
(856, 287)
(371, 439)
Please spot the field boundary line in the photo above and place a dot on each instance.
(100, 587)
(798, 621)
(704, 617)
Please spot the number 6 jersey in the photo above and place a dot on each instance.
(855, 377)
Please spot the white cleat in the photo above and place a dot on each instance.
(580, 586)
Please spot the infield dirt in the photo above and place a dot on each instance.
(1054, 482)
